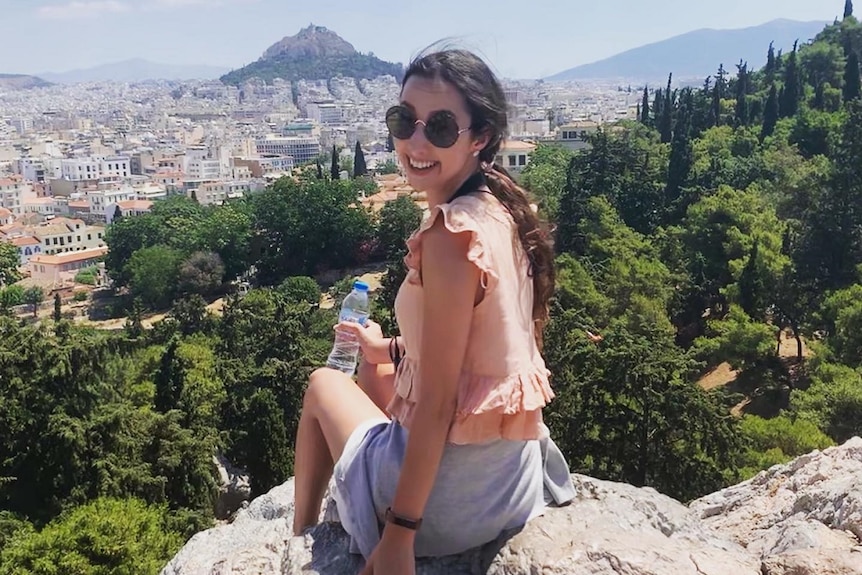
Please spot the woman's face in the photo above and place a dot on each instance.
(436, 170)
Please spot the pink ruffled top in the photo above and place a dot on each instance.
(504, 382)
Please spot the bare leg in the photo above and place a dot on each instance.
(377, 381)
(332, 408)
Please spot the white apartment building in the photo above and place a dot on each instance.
(210, 193)
(14, 193)
(199, 165)
(325, 112)
(514, 155)
(302, 149)
(45, 207)
(95, 168)
(100, 200)
(56, 236)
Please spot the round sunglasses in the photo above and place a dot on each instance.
(441, 129)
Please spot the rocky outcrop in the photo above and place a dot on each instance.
(234, 487)
(803, 518)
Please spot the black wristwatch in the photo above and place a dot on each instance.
(401, 521)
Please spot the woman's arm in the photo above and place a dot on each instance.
(450, 284)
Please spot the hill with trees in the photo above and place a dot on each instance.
(724, 221)
(315, 53)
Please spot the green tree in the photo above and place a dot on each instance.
(387, 167)
(644, 115)
(227, 231)
(791, 93)
(334, 168)
(310, 226)
(270, 451)
(201, 273)
(679, 167)
(298, 289)
(105, 536)
(770, 114)
(545, 176)
(848, 8)
(397, 220)
(625, 411)
(9, 262)
(359, 167)
(742, 112)
(852, 83)
(58, 315)
(153, 274)
(118, 214)
(665, 123)
(319, 170)
(169, 379)
(34, 296)
(771, 67)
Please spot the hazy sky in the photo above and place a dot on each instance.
(528, 38)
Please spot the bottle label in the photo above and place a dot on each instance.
(353, 315)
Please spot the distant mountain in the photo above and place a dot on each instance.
(315, 53)
(21, 82)
(697, 54)
(136, 70)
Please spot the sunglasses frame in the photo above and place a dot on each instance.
(407, 113)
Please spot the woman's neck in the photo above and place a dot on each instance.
(437, 197)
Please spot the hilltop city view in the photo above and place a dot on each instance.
(188, 190)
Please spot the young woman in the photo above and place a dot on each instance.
(460, 453)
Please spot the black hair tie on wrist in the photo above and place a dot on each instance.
(395, 351)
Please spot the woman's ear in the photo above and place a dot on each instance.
(481, 142)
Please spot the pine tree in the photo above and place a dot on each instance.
(852, 84)
(666, 122)
(58, 315)
(770, 114)
(742, 81)
(848, 8)
(644, 111)
(753, 291)
(334, 168)
(359, 167)
(788, 103)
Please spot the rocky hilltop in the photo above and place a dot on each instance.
(802, 518)
(315, 53)
(21, 82)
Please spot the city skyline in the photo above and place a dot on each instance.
(61, 35)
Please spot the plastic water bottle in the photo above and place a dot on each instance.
(345, 351)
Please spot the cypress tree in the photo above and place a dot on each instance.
(718, 94)
(657, 102)
(319, 170)
(666, 122)
(741, 109)
(679, 165)
(788, 103)
(359, 167)
(334, 169)
(848, 8)
(770, 114)
(118, 214)
(58, 315)
(770, 68)
(852, 85)
(644, 112)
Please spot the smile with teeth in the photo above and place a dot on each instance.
(421, 165)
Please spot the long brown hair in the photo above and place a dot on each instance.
(486, 102)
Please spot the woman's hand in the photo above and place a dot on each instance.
(375, 347)
(394, 555)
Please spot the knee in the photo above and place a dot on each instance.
(323, 382)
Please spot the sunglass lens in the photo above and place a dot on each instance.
(400, 122)
(442, 129)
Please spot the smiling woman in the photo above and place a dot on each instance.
(452, 450)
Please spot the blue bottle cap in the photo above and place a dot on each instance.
(360, 285)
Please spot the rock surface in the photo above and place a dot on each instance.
(803, 518)
(234, 487)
